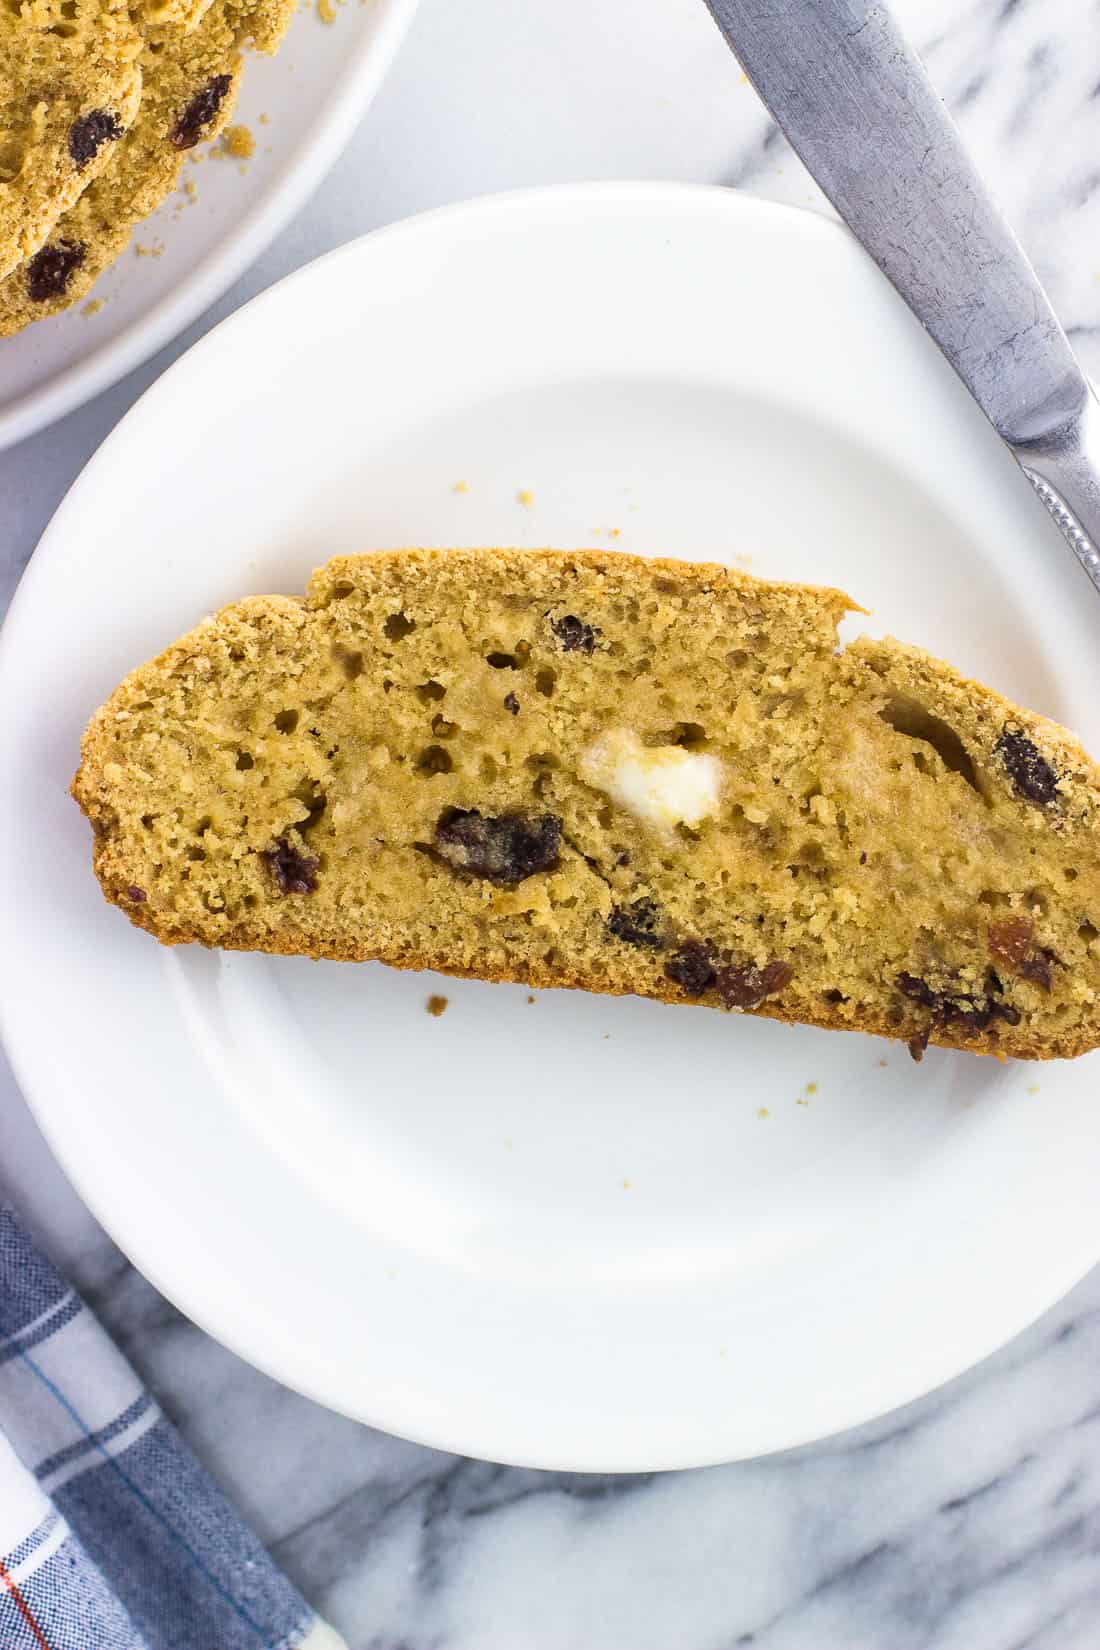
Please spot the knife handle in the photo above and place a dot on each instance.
(1064, 469)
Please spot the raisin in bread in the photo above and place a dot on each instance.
(190, 86)
(624, 775)
(70, 86)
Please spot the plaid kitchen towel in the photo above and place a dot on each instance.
(112, 1537)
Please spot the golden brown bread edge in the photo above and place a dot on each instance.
(540, 976)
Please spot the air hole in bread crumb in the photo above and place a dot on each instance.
(434, 759)
(286, 721)
(244, 762)
(546, 680)
(911, 719)
(502, 661)
(398, 626)
(350, 663)
(430, 690)
(684, 734)
(309, 793)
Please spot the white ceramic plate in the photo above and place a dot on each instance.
(560, 1233)
(313, 93)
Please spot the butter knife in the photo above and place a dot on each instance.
(856, 104)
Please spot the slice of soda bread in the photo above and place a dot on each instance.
(190, 86)
(597, 771)
(70, 87)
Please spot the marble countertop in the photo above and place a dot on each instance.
(968, 1521)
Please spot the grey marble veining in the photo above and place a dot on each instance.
(967, 1521)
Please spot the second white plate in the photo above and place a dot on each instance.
(574, 1232)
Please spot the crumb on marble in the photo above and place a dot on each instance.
(627, 1185)
(525, 497)
(1033, 1088)
(811, 1088)
(461, 487)
(264, 119)
(436, 1006)
(93, 306)
(762, 1111)
(156, 250)
(326, 11)
(530, 999)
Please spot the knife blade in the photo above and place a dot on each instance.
(856, 104)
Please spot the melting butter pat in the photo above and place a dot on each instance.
(663, 785)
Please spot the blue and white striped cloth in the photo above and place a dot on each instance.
(112, 1537)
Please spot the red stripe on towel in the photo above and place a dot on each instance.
(7, 1582)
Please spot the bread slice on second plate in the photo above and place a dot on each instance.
(70, 87)
(190, 83)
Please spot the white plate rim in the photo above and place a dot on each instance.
(366, 68)
(1058, 1278)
